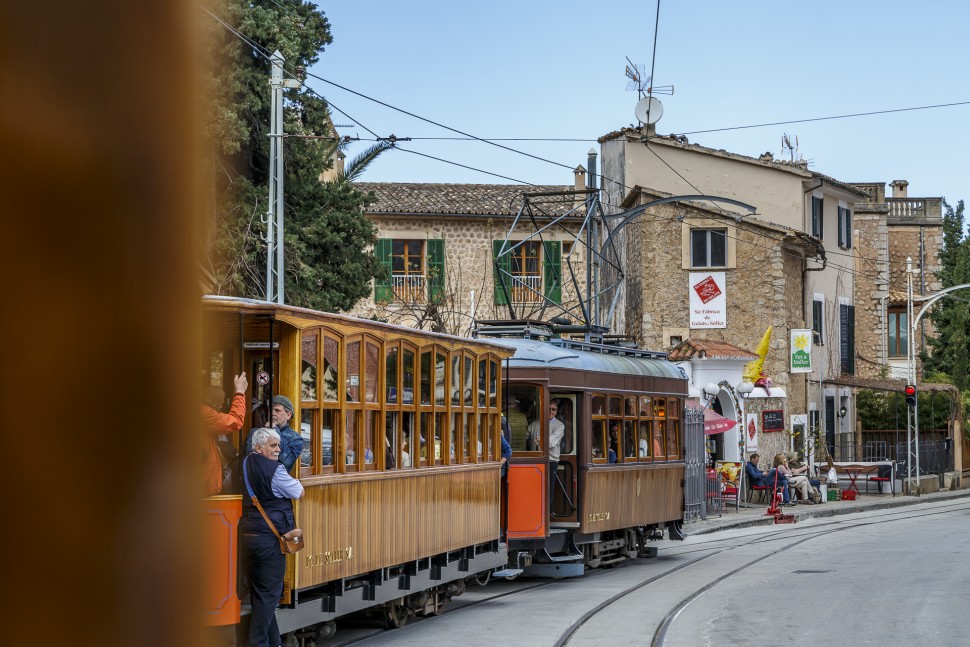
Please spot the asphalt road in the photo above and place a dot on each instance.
(884, 577)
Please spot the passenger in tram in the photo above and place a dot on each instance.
(767, 479)
(405, 455)
(218, 424)
(629, 441)
(533, 442)
(518, 424)
(291, 443)
(273, 487)
(556, 432)
(506, 456)
(614, 442)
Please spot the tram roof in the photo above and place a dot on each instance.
(306, 318)
(530, 353)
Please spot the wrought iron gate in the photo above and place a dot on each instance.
(694, 468)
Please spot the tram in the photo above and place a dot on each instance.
(400, 466)
(619, 480)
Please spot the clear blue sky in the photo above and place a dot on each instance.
(555, 70)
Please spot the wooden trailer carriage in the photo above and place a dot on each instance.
(400, 464)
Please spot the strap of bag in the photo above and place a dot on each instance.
(256, 501)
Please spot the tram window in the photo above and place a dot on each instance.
(326, 437)
(520, 411)
(486, 450)
(425, 374)
(673, 444)
(673, 408)
(441, 439)
(371, 372)
(658, 440)
(216, 364)
(659, 408)
(629, 440)
(331, 354)
(308, 367)
(306, 433)
(439, 379)
(615, 405)
(456, 379)
(644, 440)
(613, 442)
(630, 407)
(566, 413)
(391, 434)
(427, 436)
(409, 441)
(350, 440)
(492, 383)
(646, 407)
(482, 381)
(370, 427)
(469, 382)
(599, 405)
(390, 374)
(454, 436)
(353, 371)
(599, 441)
(407, 377)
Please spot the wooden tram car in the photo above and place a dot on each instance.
(401, 461)
(620, 475)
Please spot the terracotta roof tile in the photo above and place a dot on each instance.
(460, 199)
(708, 349)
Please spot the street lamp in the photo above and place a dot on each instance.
(710, 390)
(842, 411)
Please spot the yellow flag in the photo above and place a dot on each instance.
(752, 370)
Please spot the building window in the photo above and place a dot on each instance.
(818, 320)
(898, 333)
(817, 219)
(845, 228)
(847, 338)
(708, 247)
(528, 271)
(415, 270)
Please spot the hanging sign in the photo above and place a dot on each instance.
(801, 351)
(751, 432)
(708, 301)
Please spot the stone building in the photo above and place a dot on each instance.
(791, 265)
(439, 243)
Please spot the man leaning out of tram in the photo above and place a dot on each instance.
(219, 424)
(291, 443)
(269, 482)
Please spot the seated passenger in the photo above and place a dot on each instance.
(767, 479)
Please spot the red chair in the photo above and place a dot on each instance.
(762, 491)
(883, 475)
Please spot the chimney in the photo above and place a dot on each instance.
(899, 188)
(579, 178)
(338, 166)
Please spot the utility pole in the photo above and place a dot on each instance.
(912, 413)
(274, 212)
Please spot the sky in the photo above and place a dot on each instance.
(555, 70)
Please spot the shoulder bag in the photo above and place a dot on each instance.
(290, 542)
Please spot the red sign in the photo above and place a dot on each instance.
(707, 289)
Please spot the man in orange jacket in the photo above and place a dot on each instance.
(218, 424)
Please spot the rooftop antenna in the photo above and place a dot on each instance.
(786, 145)
(648, 109)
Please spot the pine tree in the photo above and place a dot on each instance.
(326, 236)
(951, 354)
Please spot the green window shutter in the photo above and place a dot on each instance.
(503, 264)
(382, 286)
(436, 269)
(552, 270)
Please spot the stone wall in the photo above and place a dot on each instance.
(871, 245)
(468, 266)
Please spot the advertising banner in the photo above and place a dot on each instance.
(801, 351)
(751, 432)
(708, 301)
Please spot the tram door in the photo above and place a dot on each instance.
(564, 488)
(262, 378)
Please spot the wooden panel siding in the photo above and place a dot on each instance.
(624, 496)
(361, 522)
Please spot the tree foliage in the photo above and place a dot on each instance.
(951, 344)
(325, 231)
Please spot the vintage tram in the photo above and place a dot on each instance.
(619, 481)
(400, 465)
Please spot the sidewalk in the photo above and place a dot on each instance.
(754, 514)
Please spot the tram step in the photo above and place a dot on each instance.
(564, 557)
(507, 572)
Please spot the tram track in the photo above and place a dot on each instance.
(660, 633)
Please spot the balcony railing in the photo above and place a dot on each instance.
(525, 289)
(408, 288)
(915, 209)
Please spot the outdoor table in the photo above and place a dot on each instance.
(854, 471)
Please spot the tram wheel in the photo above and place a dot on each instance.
(675, 530)
(290, 640)
(326, 630)
(395, 615)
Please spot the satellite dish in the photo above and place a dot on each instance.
(649, 106)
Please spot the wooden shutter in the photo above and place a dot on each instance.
(841, 227)
(503, 264)
(436, 269)
(848, 230)
(552, 270)
(850, 313)
(382, 286)
(817, 320)
(847, 338)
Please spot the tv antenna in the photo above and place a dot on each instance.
(786, 145)
(641, 82)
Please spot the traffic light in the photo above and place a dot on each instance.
(910, 391)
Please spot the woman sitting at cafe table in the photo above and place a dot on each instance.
(766, 479)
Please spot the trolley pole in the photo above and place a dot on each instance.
(274, 211)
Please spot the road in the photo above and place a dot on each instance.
(886, 577)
